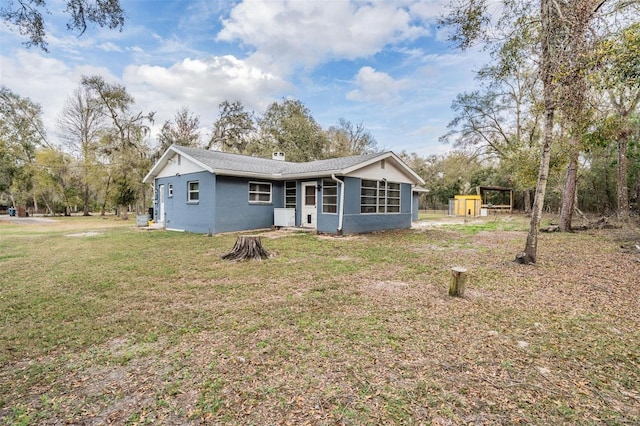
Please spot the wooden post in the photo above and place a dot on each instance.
(458, 281)
(247, 247)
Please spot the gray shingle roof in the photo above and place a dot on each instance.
(223, 161)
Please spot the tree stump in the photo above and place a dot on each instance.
(247, 247)
(458, 281)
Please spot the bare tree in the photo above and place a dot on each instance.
(349, 139)
(183, 130)
(81, 123)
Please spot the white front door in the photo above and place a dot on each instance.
(309, 205)
(161, 204)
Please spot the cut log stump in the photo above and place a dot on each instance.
(247, 247)
(458, 281)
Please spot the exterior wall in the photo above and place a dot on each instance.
(327, 222)
(415, 206)
(178, 164)
(224, 206)
(184, 216)
(355, 222)
(233, 212)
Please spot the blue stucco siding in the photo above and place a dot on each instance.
(234, 212)
(224, 206)
(327, 222)
(356, 222)
(188, 216)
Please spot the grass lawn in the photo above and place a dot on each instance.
(105, 323)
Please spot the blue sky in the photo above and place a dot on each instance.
(384, 64)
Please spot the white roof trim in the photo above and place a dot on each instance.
(384, 156)
(168, 154)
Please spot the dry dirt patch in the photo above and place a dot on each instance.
(85, 234)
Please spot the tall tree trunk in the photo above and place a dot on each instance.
(527, 201)
(106, 194)
(637, 194)
(530, 253)
(85, 199)
(547, 45)
(622, 187)
(35, 203)
(569, 192)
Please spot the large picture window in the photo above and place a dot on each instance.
(193, 193)
(379, 197)
(290, 193)
(259, 192)
(329, 196)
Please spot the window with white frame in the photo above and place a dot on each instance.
(379, 196)
(290, 193)
(259, 192)
(170, 190)
(193, 191)
(329, 196)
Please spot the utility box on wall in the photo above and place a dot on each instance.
(284, 217)
(467, 205)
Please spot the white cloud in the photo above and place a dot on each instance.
(374, 86)
(288, 33)
(201, 85)
(110, 47)
(207, 81)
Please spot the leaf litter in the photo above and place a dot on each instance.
(554, 343)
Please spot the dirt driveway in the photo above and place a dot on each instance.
(26, 220)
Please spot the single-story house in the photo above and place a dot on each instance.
(204, 191)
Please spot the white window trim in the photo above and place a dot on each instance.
(295, 195)
(189, 192)
(386, 204)
(260, 192)
(333, 184)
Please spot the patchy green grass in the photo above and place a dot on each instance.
(106, 323)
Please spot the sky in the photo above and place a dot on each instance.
(384, 64)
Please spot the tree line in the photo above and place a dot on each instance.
(105, 147)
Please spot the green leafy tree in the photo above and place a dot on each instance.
(288, 127)
(619, 62)
(21, 133)
(124, 143)
(56, 184)
(234, 130)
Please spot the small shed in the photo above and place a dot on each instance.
(496, 198)
(467, 205)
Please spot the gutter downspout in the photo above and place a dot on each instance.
(412, 188)
(341, 212)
